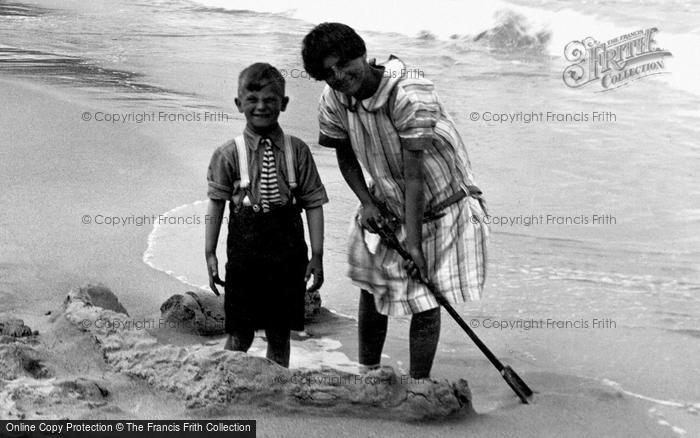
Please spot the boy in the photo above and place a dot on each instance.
(268, 177)
(398, 129)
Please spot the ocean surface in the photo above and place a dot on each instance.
(591, 221)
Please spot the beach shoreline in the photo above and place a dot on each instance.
(58, 168)
(112, 110)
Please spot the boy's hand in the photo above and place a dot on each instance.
(213, 269)
(315, 268)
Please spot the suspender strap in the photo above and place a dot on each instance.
(242, 161)
(242, 152)
(289, 158)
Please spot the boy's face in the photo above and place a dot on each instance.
(262, 108)
(345, 76)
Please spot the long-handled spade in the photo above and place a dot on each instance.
(512, 379)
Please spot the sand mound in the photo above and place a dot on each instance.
(203, 313)
(207, 377)
(195, 313)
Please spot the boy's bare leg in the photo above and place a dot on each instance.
(424, 335)
(240, 340)
(278, 345)
(229, 343)
(372, 327)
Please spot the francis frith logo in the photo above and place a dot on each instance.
(616, 62)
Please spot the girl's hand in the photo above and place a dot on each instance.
(418, 267)
(371, 218)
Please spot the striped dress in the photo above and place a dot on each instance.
(401, 114)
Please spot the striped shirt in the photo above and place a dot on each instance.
(224, 179)
(269, 190)
(402, 114)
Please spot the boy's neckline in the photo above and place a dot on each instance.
(268, 132)
(253, 137)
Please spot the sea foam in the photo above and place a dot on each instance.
(450, 19)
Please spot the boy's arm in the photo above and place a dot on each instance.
(212, 227)
(314, 219)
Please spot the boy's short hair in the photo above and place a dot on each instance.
(330, 39)
(257, 76)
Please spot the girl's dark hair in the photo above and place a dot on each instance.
(330, 39)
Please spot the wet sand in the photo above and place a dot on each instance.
(56, 169)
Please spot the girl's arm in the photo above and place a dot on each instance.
(414, 206)
(353, 175)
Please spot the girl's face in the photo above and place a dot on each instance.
(345, 76)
